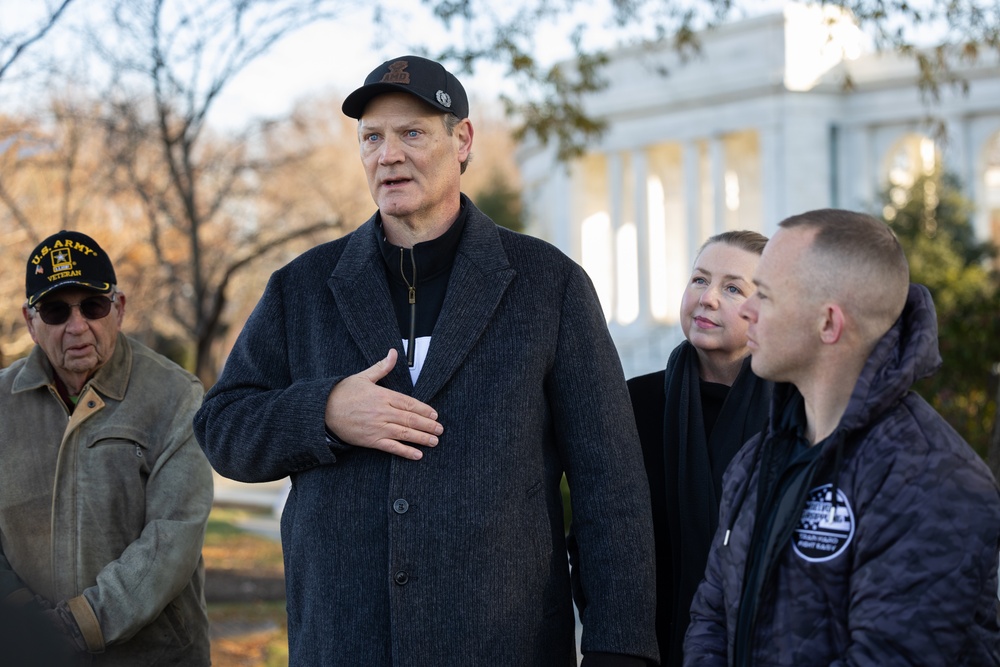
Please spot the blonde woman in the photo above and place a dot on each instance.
(693, 417)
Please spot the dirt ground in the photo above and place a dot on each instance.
(245, 591)
(247, 615)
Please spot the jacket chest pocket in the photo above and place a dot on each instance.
(112, 472)
(121, 454)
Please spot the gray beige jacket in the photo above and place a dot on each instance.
(106, 508)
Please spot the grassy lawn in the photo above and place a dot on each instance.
(229, 547)
(253, 635)
(244, 634)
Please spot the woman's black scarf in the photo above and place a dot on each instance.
(693, 467)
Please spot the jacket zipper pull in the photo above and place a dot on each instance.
(412, 297)
(411, 348)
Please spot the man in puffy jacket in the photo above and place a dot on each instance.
(104, 492)
(859, 528)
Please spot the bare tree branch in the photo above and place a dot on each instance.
(18, 43)
(11, 203)
(169, 65)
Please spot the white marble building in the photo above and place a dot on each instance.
(758, 127)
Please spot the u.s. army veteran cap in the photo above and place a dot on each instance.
(67, 259)
(426, 79)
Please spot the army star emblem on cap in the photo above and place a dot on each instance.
(61, 260)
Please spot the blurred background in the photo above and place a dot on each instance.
(201, 143)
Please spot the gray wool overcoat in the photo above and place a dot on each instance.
(458, 558)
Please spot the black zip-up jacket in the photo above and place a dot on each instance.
(892, 559)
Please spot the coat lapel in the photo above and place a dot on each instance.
(359, 288)
(479, 278)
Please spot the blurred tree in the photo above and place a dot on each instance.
(501, 201)
(549, 100)
(51, 177)
(933, 222)
(190, 208)
(993, 457)
(493, 180)
(197, 191)
(13, 43)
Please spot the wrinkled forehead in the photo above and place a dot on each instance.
(397, 106)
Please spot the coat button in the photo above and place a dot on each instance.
(400, 506)
(91, 404)
(401, 578)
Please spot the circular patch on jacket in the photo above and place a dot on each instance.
(824, 532)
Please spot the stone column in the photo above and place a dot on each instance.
(692, 195)
(640, 171)
(772, 178)
(615, 208)
(717, 172)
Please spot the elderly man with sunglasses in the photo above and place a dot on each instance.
(104, 492)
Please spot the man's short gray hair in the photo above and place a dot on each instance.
(451, 121)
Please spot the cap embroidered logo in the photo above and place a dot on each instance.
(73, 259)
(396, 73)
(61, 260)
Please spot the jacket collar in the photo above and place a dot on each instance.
(430, 258)
(111, 380)
(480, 275)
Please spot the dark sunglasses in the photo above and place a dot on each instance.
(57, 312)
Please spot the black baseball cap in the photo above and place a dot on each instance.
(426, 79)
(68, 259)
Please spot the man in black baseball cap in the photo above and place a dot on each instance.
(104, 492)
(421, 77)
(425, 381)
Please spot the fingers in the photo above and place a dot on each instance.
(397, 448)
(423, 413)
(414, 423)
(363, 414)
(411, 427)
